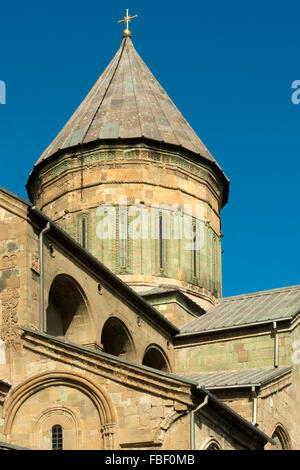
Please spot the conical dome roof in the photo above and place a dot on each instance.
(127, 102)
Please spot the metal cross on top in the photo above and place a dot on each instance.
(127, 19)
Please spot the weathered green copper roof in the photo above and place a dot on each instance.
(247, 309)
(127, 102)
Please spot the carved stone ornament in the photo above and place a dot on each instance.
(10, 332)
(9, 261)
(35, 263)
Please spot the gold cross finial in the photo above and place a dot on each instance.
(127, 19)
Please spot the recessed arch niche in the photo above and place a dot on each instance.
(67, 314)
(281, 439)
(116, 339)
(155, 357)
(47, 399)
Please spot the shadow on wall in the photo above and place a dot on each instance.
(116, 339)
(156, 359)
(67, 313)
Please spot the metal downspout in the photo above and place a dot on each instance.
(276, 345)
(42, 279)
(192, 422)
(254, 408)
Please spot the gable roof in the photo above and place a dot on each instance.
(248, 309)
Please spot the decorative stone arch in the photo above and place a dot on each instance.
(116, 339)
(281, 437)
(64, 416)
(165, 424)
(211, 444)
(156, 358)
(68, 316)
(105, 410)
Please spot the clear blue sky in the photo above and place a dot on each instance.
(228, 66)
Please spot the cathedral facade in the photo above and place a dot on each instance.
(114, 331)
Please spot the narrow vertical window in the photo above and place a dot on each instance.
(161, 264)
(195, 253)
(123, 240)
(57, 437)
(83, 231)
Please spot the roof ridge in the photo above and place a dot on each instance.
(122, 47)
(134, 92)
(258, 293)
(157, 101)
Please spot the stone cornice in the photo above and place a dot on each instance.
(118, 370)
(125, 182)
(112, 144)
(14, 204)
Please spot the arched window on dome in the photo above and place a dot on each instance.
(123, 237)
(84, 232)
(194, 252)
(161, 253)
(57, 437)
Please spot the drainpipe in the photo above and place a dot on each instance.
(276, 346)
(192, 422)
(254, 408)
(42, 280)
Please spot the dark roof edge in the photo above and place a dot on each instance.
(267, 380)
(15, 196)
(89, 145)
(285, 371)
(5, 382)
(109, 275)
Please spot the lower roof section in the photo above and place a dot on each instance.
(248, 309)
(239, 378)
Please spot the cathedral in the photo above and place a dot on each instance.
(114, 331)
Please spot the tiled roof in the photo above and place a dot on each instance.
(235, 378)
(127, 102)
(242, 310)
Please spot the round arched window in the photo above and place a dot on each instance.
(57, 437)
